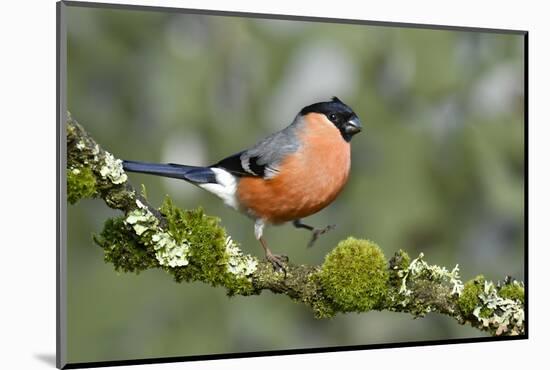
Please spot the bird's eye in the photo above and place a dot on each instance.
(332, 116)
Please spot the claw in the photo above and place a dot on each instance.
(317, 232)
(277, 261)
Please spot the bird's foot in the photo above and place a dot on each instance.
(318, 232)
(277, 261)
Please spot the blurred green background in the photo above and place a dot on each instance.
(438, 169)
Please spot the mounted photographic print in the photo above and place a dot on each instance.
(235, 184)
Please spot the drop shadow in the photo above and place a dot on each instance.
(47, 358)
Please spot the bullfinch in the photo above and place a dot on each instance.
(285, 177)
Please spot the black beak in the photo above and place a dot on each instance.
(353, 126)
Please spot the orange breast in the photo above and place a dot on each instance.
(308, 180)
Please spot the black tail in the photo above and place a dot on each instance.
(197, 175)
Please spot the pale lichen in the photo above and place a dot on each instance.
(112, 169)
(140, 220)
(95, 150)
(140, 204)
(503, 315)
(168, 252)
(419, 267)
(420, 288)
(238, 263)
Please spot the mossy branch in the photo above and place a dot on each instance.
(355, 277)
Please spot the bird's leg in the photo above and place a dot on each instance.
(276, 261)
(315, 232)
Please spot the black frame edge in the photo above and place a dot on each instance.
(526, 177)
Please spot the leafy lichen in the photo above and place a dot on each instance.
(238, 263)
(169, 251)
(498, 314)
(112, 169)
(497, 310)
(80, 184)
(420, 288)
(420, 268)
(355, 276)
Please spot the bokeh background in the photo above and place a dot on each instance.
(438, 169)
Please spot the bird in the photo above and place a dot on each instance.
(287, 176)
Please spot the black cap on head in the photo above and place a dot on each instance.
(342, 116)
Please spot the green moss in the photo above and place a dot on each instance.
(469, 299)
(313, 296)
(182, 223)
(486, 312)
(513, 291)
(355, 276)
(123, 249)
(323, 310)
(208, 259)
(399, 263)
(81, 183)
(402, 260)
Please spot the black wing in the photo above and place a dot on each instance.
(263, 159)
(240, 165)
